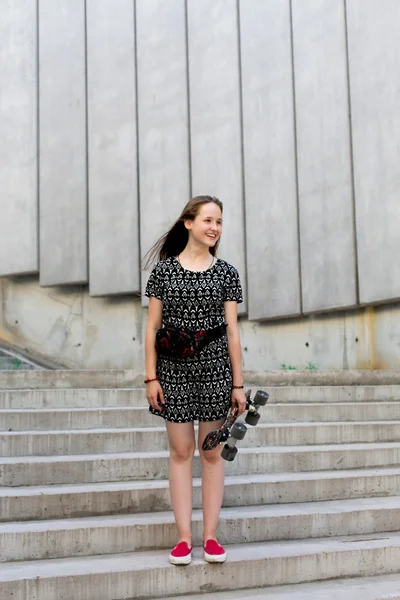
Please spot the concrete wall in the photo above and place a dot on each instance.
(63, 221)
(112, 148)
(18, 135)
(126, 109)
(69, 328)
(374, 70)
(328, 268)
(116, 112)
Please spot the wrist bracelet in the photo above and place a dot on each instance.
(238, 387)
(149, 380)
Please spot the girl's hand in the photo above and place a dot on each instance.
(154, 394)
(239, 400)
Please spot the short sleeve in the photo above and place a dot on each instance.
(155, 283)
(232, 286)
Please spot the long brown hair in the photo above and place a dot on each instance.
(175, 239)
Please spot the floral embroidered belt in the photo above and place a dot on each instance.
(179, 343)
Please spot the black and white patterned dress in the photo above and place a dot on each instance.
(200, 387)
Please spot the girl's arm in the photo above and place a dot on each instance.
(154, 392)
(235, 354)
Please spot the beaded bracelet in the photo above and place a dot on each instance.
(238, 387)
(149, 380)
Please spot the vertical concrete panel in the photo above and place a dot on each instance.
(215, 117)
(113, 204)
(269, 152)
(162, 117)
(62, 101)
(374, 61)
(18, 135)
(324, 155)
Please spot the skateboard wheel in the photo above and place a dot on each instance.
(228, 453)
(261, 398)
(238, 431)
(252, 418)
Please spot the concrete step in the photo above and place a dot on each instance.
(71, 398)
(116, 378)
(39, 419)
(327, 412)
(142, 439)
(147, 574)
(99, 397)
(79, 418)
(34, 470)
(91, 441)
(96, 499)
(34, 540)
(386, 587)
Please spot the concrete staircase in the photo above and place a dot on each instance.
(313, 495)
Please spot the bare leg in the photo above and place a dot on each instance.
(181, 444)
(212, 480)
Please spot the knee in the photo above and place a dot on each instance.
(211, 457)
(182, 453)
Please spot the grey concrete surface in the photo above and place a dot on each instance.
(374, 87)
(314, 386)
(38, 502)
(69, 398)
(81, 418)
(269, 159)
(323, 156)
(282, 504)
(63, 419)
(193, 136)
(62, 117)
(68, 328)
(63, 538)
(112, 152)
(384, 587)
(131, 575)
(215, 128)
(52, 392)
(145, 437)
(163, 120)
(130, 466)
(18, 134)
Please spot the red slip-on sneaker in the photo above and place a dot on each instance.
(214, 552)
(181, 554)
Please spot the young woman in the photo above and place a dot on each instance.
(193, 290)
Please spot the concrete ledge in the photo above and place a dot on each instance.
(386, 587)
(32, 357)
(146, 439)
(130, 378)
(17, 399)
(60, 419)
(97, 499)
(38, 540)
(79, 419)
(131, 466)
(141, 575)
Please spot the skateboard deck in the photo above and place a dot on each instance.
(219, 436)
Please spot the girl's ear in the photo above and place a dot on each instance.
(188, 224)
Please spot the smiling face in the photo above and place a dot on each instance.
(206, 227)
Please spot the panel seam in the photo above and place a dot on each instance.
(351, 152)
(189, 122)
(295, 157)
(87, 145)
(37, 140)
(242, 157)
(138, 197)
